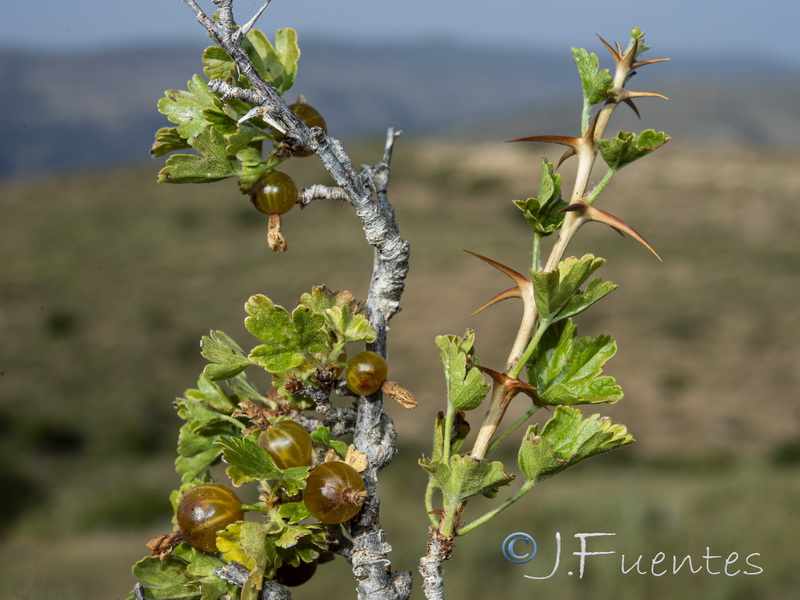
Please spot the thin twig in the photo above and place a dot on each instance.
(374, 434)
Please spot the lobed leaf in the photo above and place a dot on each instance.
(540, 211)
(567, 370)
(165, 579)
(227, 357)
(553, 289)
(273, 325)
(464, 477)
(212, 163)
(246, 543)
(466, 387)
(626, 147)
(595, 83)
(567, 439)
(168, 140)
(246, 460)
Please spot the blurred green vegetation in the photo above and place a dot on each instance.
(108, 282)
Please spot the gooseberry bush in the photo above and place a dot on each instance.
(312, 446)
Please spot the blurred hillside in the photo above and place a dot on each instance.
(108, 281)
(68, 111)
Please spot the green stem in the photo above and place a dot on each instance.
(587, 107)
(592, 196)
(447, 434)
(254, 507)
(512, 428)
(540, 329)
(527, 487)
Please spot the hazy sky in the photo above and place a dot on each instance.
(674, 26)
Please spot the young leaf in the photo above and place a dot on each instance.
(466, 388)
(595, 83)
(465, 477)
(566, 440)
(628, 147)
(312, 336)
(349, 327)
(540, 211)
(567, 371)
(320, 299)
(227, 357)
(552, 289)
(273, 325)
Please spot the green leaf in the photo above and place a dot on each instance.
(252, 166)
(213, 164)
(218, 65)
(199, 413)
(567, 370)
(466, 388)
(540, 211)
(459, 432)
(583, 299)
(320, 299)
(465, 477)
(349, 327)
(227, 357)
(628, 147)
(165, 579)
(273, 325)
(322, 435)
(168, 140)
(246, 460)
(276, 64)
(186, 108)
(567, 439)
(246, 543)
(288, 54)
(197, 450)
(294, 512)
(211, 395)
(312, 337)
(595, 83)
(552, 289)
